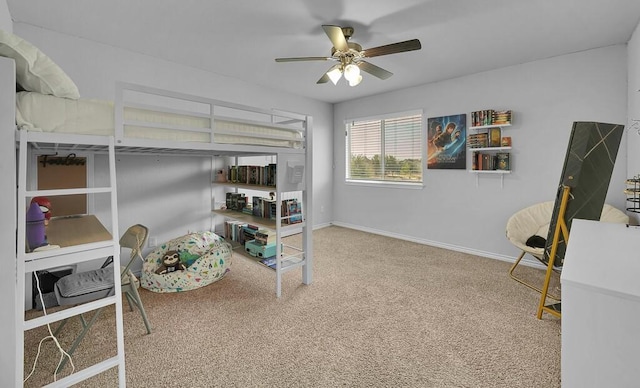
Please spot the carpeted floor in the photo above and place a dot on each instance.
(380, 313)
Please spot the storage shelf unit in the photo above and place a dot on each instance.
(287, 257)
(491, 151)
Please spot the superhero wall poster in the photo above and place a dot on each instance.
(446, 142)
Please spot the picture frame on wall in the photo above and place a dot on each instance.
(446, 142)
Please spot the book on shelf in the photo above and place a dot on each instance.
(234, 231)
(486, 162)
(249, 232)
(269, 208)
(256, 206)
(235, 201)
(501, 117)
(240, 202)
(291, 211)
(503, 161)
(478, 140)
(490, 117)
(269, 261)
(233, 174)
(482, 161)
(494, 137)
(265, 237)
(252, 174)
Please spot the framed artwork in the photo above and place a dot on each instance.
(446, 142)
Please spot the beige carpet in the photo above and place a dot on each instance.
(380, 313)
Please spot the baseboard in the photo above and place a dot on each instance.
(526, 261)
(320, 226)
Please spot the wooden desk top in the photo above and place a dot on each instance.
(76, 230)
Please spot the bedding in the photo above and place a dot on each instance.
(47, 113)
(206, 255)
(35, 71)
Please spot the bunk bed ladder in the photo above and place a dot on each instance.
(28, 262)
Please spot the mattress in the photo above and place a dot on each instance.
(46, 113)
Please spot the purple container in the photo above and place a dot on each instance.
(35, 227)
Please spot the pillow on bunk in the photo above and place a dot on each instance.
(36, 72)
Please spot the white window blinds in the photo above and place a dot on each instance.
(385, 150)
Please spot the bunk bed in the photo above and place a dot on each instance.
(151, 121)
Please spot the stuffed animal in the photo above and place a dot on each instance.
(170, 263)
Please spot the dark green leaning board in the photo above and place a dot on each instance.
(588, 165)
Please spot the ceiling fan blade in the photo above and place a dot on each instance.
(400, 47)
(374, 70)
(325, 77)
(300, 59)
(337, 37)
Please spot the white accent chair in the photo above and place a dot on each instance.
(534, 221)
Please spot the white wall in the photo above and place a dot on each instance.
(633, 143)
(95, 67)
(546, 97)
(5, 17)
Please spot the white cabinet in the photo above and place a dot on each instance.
(601, 306)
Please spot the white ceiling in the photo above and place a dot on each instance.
(241, 38)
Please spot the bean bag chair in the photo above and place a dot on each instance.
(206, 256)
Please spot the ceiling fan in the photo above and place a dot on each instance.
(350, 56)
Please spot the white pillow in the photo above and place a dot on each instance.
(35, 71)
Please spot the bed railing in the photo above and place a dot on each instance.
(202, 122)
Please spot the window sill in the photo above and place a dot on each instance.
(389, 184)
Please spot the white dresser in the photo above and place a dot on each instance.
(601, 306)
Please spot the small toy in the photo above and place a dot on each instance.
(170, 263)
(35, 227)
(45, 207)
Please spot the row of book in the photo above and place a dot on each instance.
(484, 161)
(239, 231)
(490, 117)
(478, 140)
(291, 211)
(242, 232)
(253, 175)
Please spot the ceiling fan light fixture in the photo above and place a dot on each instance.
(351, 73)
(334, 75)
(356, 81)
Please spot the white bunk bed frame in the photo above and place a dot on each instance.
(13, 284)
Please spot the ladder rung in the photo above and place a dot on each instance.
(68, 313)
(87, 373)
(86, 190)
(288, 265)
(37, 261)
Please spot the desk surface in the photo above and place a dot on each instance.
(76, 230)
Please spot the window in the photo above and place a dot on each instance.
(385, 149)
